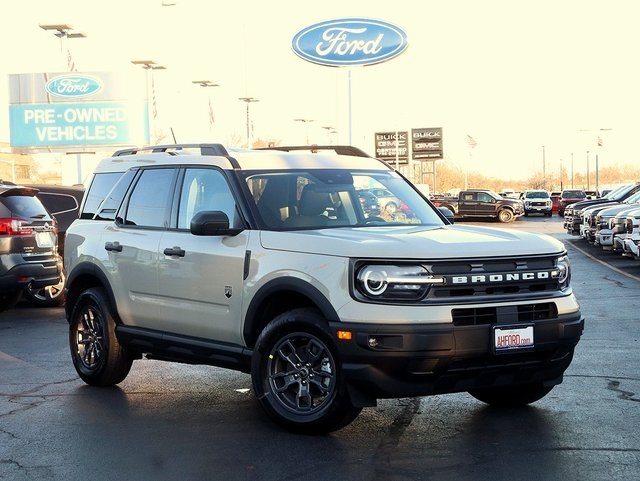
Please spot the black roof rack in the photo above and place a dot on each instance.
(338, 149)
(205, 149)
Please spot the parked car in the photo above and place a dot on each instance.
(63, 203)
(369, 202)
(28, 244)
(537, 202)
(568, 197)
(478, 203)
(265, 262)
(555, 201)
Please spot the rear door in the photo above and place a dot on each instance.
(132, 244)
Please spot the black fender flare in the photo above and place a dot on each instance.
(291, 284)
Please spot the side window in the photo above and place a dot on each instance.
(202, 190)
(98, 190)
(150, 201)
(58, 203)
(482, 197)
(109, 206)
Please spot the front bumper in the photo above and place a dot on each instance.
(409, 360)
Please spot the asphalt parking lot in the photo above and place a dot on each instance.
(170, 421)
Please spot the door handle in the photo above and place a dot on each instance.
(113, 246)
(174, 251)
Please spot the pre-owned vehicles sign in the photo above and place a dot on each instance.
(61, 110)
(349, 41)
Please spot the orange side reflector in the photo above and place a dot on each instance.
(344, 335)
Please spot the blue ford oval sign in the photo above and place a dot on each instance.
(74, 85)
(349, 41)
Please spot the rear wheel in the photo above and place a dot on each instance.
(97, 355)
(49, 296)
(297, 376)
(511, 396)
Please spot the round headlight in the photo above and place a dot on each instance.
(392, 282)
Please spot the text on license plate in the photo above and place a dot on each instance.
(512, 338)
(44, 239)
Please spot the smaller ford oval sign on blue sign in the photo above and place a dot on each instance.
(74, 86)
(349, 41)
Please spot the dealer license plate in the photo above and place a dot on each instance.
(512, 338)
(44, 239)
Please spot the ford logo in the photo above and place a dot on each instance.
(74, 85)
(349, 41)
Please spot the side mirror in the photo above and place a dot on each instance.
(212, 223)
(447, 214)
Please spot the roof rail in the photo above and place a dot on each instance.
(205, 149)
(338, 149)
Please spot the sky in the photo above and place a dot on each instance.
(514, 75)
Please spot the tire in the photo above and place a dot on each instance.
(505, 215)
(8, 299)
(97, 355)
(297, 376)
(511, 396)
(49, 296)
(526, 214)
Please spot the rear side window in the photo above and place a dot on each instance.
(150, 201)
(98, 190)
(58, 203)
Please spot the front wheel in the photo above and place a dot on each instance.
(97, 355)
(511, 396)
(297, 376)
(505, 215)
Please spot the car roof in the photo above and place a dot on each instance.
(296, 157)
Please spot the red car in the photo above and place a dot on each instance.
(570, 196)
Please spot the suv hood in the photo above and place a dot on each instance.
(443, 242)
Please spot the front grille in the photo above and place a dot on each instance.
(493, 278)
(505, 314)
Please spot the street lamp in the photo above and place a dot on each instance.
(149, 66)
(207, 83)
(305, 122)
(64, 31)
(248, 100)
(330, 131)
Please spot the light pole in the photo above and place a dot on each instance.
(544, 174)
(208, 83)
(330, 131)
(305, 122)
(248, 100)
(64, 31)
(149, 66)
(561, 174)
(572, 170)
(588, 170)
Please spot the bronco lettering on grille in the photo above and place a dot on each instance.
(508, 277)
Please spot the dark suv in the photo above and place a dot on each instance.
(28, 244)
(63, 203)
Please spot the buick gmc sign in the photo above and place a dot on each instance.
(74, 86)
(349, 41)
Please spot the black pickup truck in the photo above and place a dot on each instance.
(481, 203)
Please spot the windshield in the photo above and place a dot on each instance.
(574, 194)
(286, 200)
(538, 194)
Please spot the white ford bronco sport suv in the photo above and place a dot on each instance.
(264, 261)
